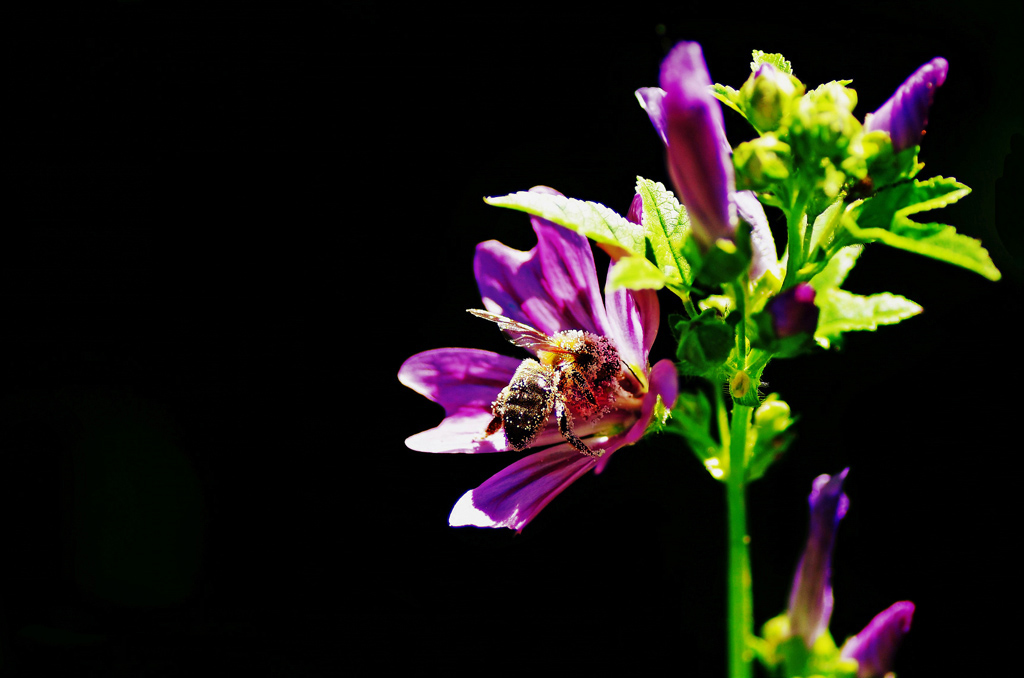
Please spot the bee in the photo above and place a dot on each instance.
(576, 375)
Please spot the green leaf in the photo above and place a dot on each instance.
(838, 267)
(728, 96)
(691, 419)
(704, 343)
(938, 241)
(776, 60)
(885, 218)
(666, 227)
(599, 223)
(824, 226)
(635, 273)
(647, 256)
(842, 311)
(905, 198)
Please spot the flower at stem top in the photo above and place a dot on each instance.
(905, 115)
(875, 646)
(689, 121)
(810, 599)
(552, 288)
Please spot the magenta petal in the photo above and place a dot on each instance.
(698, 160)
(459, 433)
(652, 101)
(663, 381)
(810, 599)
(875, 647)
(633, 317)
(764, 258)
(465, 382)
(512, 497)
(457, 377)
(553, 287)
(905, 114)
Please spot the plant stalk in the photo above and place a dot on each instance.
(740, 595)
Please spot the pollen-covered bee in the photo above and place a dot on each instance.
(576, 375)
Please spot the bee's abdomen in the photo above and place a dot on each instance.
(526, 408)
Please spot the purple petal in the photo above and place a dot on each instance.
(553, 287)
(465, 382)
(636, 210)
(698, 158)
(875, 646)
(652, 101)
(810, 600)
(905, 115)
(663, 380)
(764, 258)
(793, 311)
(633, 317)
(458, 377)
(515, 495)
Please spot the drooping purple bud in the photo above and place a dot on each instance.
(689, 120)
(875, 646)
(905, 115)
(793, 311)
(810, 599)
(636, 210)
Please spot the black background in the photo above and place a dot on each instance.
(229, 223)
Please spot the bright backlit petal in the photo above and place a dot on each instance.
(512, 497)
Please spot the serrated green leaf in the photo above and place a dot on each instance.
(776, 60)
(906, 198)
(599, 223)
(885, 218)
(938, 241)
(843, 311)
(838, 267)
(666, 226)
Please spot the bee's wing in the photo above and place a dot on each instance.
(518, 333)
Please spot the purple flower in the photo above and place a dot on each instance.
(793, 311)
(689, 121)
(810, 600)
(905, 115)
(636, 210)
(875, 646)
(552, 288)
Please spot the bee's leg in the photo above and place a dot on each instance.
(497, 408)
(494, 425)
(583, 386)
(565, 428)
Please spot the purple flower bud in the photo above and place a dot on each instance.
(905, 115)
(636, 210)
(875, 646)
(810, 599)
(794, 312)
(689, 120)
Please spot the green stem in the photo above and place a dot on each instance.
(795, 241)
(740, 604)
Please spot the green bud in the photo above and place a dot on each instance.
(773, 414)
(823, 123)
(761, 162)
(767, 96)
